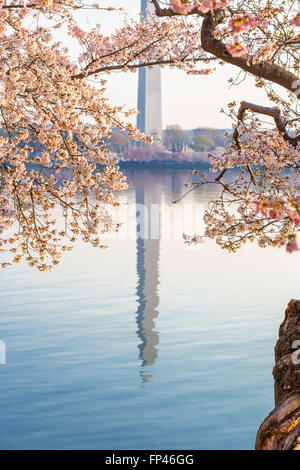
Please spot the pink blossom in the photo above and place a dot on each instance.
(292, 245)
(242, 24)
(264, 24)
(180, 8)
(236, 49)
(208, 5)
(296, 20)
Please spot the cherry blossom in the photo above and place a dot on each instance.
(296, 20)
(53, 159)
(236, 48)
(243, 23)
(258, 173)
(181, 7)
(292, 246)
(208, 5)
(56, 118)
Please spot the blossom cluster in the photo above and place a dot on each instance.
(240, 21)
(55, 122)
(52, 153)
(260, 191)
(184, 7)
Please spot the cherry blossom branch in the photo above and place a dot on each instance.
(163, 12)
(12, 6)
(265, 70)
(272, 112)
(212, 19)
(109, 68)
(289, 42)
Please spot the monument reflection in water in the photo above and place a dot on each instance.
(156, 219)
(148, 252)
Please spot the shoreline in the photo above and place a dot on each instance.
(165, 165)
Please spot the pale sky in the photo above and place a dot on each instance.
(191, 101)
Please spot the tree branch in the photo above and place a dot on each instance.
(272, 112)
(108, 68)
(265, 70)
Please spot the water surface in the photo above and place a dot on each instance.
(147, 345)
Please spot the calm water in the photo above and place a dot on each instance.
(147, 345)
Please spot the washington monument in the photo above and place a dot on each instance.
(149, 118)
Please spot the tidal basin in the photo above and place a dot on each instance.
(149, 344)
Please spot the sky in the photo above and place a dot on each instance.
(187, 100)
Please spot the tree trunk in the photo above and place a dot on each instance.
(281, 429)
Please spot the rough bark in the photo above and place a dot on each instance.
(281, 429)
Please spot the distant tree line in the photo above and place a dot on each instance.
(175, 139)
(202, 139)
